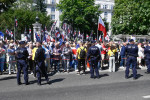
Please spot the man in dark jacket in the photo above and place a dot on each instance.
(122, 54)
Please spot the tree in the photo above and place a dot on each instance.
(80, 14)
(5, 5)
(131, 17)
(40, 5)
(25, 20)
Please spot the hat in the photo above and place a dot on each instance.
(131, 40)
(22, 42)
(93, 41)
(11, 44)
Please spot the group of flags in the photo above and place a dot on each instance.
(64, 35)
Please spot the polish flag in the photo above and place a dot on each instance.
(11, 34)
(29, 30)
(101, 26)
(100, 39)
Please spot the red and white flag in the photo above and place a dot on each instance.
(100, 38)
(57, 34)
(87, 36)
(11, 34)
(107, 38)
(29, 30)
(16, 22)
(101, 26)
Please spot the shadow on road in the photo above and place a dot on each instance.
(8, 78)
(104, 75)
(57, 80)
(138, 76)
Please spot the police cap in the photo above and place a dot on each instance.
(22, 42)
(131, 40)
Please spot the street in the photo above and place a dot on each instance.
(64, 86)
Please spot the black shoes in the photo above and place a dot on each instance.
(19, 83)
(147, 72)
(126, 77)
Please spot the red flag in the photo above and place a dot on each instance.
(101, 26)
(100, 39)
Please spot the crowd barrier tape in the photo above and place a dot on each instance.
(58, 59)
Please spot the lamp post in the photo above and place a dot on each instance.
(36, 28)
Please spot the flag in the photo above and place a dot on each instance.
(11, 34)
(7, 32)
(101, 26)
(79, 34)
(107, 38)
(100, 38)
(74, 33)
(29, 30)
(16, 22)
(57, 34)
(87, 36)
(37, 36)
(63, 34)
(48, 38)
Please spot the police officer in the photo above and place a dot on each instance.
(22, 55)
(94, 56)
(40, 64)
(132, 54)
(147, 57)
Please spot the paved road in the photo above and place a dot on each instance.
(111, 86)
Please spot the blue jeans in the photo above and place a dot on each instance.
(74, 64)
(2, 64)
(122, 63)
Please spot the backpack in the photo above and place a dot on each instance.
(82, 53)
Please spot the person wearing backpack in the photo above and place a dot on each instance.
(81, 56)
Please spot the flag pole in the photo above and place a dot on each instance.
(14, 33)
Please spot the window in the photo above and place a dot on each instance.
(52, 9)
(53, 1)
(53, 17)
(112, 7)
(105, 14)
(105, 6)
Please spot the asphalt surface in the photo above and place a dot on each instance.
(64, 86)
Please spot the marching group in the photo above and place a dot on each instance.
(67, 56)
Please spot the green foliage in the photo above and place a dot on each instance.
(5, 5)
(81, 14)
(25, 19)
(131, 17)
(40, 6)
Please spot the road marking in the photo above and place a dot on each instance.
(146, 97)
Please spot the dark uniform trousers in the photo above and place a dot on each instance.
(148, 64)
(94, 67)
(40, 69)
(131, 60)
(22, 64)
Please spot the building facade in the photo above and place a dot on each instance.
(106, 6)
(53, 11)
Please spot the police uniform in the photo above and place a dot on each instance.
(22, 55)
(147, 58)
(132, 54)
(40, 64)
(94, 56)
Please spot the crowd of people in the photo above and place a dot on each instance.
(70, 56)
